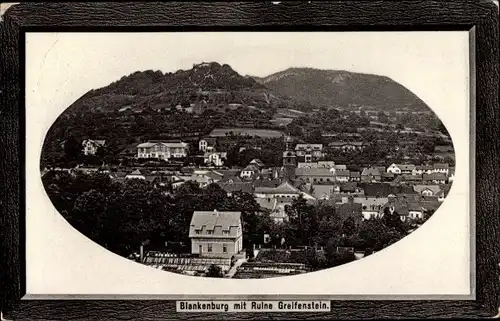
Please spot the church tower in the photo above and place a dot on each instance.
(289, 161)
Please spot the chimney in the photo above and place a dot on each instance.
(141, 251)
(215, 212)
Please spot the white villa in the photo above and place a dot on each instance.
(90, 146)
(216, 234)
(162, 150)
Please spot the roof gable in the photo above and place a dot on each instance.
(210, 219)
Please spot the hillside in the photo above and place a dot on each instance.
(342, 89)
(205, 86)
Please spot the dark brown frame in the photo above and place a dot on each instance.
(480, 18)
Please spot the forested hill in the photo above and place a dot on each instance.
(210, 84)
(343, 89)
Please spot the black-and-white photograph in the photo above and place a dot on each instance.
(249, 156)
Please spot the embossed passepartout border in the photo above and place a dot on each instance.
(480, 18)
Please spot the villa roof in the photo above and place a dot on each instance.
(403, 207)
(406, 167)
(245, 187)
(308, 146)
(342, 173)
(284, 188)
(95, 141)
(257, 162)
(434, 176)
(441, 166)
(355, 174)
(168, 144)
(370, 171)
(420, 188)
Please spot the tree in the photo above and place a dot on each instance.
(349, 226)
(382, 117)
(214, 271)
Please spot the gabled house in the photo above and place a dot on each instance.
(342, 175)
(231, 187)
(216, 234)
(406, 169)
(135, 175)
(405, 209)
(90, 146)
(207, 144)
(257, 162)
(309, 152)
(394, 169)
(204, 178)
(214, 158)
(316, 175)
(371, 174)
(284, 190)
(350, 188)
(355, 176)
(251, 171)
(401, 169)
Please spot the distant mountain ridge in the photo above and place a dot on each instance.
(342, 89)
(213, 85)
(210, 83)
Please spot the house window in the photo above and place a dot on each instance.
(210, 232)
(209, 247)
(225, 232)
(197, 231)
(224, 248)
(200, 248)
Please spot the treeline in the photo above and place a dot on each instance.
(323, 224)
(122, 216)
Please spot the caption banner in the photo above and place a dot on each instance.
(253, 306)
